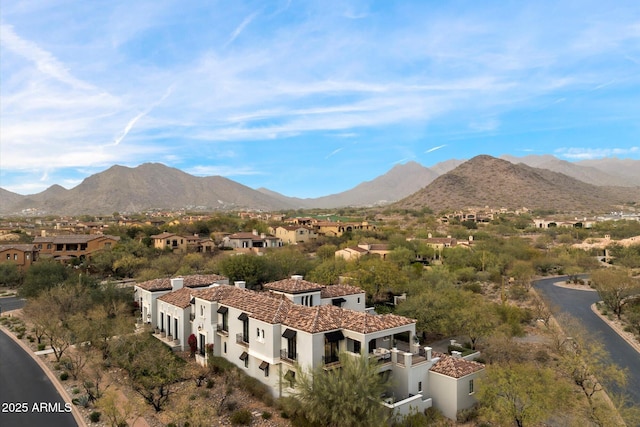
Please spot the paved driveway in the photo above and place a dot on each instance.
(11, 303)
(578, 304)
(22, 385)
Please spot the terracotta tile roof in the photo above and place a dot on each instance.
(259, 306)
(329, 317)
(335, 291)
(24, 247)
(193, 281)
(274, 309)
(356, 249)
(156, 285)
(163, 235)
(200, 280)
(73, 238)
(180, 298)
(379, 247)
(365, 323)
(455, 367)
(293, 286)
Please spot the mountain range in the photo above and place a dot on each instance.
(535, 182)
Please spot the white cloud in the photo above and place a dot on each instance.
(575, 153)
(432, 149)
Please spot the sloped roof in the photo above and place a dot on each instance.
(455, 367)
(180, 298)
(192, 281)
(293, 286)
(23, 247)
(73, 238)
(334, 291)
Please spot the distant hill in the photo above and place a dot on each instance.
(401, 181)
(628, 169)
(488, 181)
(594, 174)
(591, 185)
(148, 186)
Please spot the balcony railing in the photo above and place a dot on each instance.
(286, 356)
(242, 340)
(221, 330)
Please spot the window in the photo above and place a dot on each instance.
(225, 347)
(202, 310)
(290, 377)
(358, 300)
(264, 366)
(15, 257)
(8, 257)
(419, 386)
(258, 332)
(470, 386)
(245, 358)
(245, 326)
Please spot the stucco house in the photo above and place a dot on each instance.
(294, 234)
(147, 293)
(355, 252)
(20, 254)
(251, 242)
(66, 247)
(171, 241)
(267, 334)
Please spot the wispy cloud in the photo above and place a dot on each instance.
(334, 152)
(45, 62)
(595, 153)
(240, 28)
(133, 121)
(432, 149)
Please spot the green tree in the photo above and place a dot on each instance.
(41, 276)
(348, 396)
(152, 367)
(254, 270)
(10, 275)
(328, 272)
(613, 286)
(326, 252)
(508, 396)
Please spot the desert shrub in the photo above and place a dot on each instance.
(64, 376)
(218, 365)
(231, 405)
(94, 417)
(467, 415)
(266, 415)
(41, 346)
(241, 417)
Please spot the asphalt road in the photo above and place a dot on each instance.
(27, 397)
(577, 303)
(11, 303)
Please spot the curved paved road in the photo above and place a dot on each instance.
(22, 382)
(577, 303)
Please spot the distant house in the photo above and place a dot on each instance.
(171, 241)
(22, 255)
(330, 228)
(293, 234)
(66, 247)
(251, 241)
(355, 252)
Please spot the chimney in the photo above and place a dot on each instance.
(296, 277)
(429, 235)
(240, 284)
(43, 233)
(427, 353)
(254, 232)
(470, 239)
(177, 283)
(456, 354)
(263, 236)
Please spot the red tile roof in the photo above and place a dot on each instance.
(192, 281)
(455, 367)
(293, 286)
(180, 298)
(334, 291)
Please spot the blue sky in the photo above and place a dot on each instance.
(310, 98)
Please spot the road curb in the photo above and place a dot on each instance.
(61, 390)
(616, 329)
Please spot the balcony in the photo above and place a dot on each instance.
(220, 329)
(288, 357)
(242, 340)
